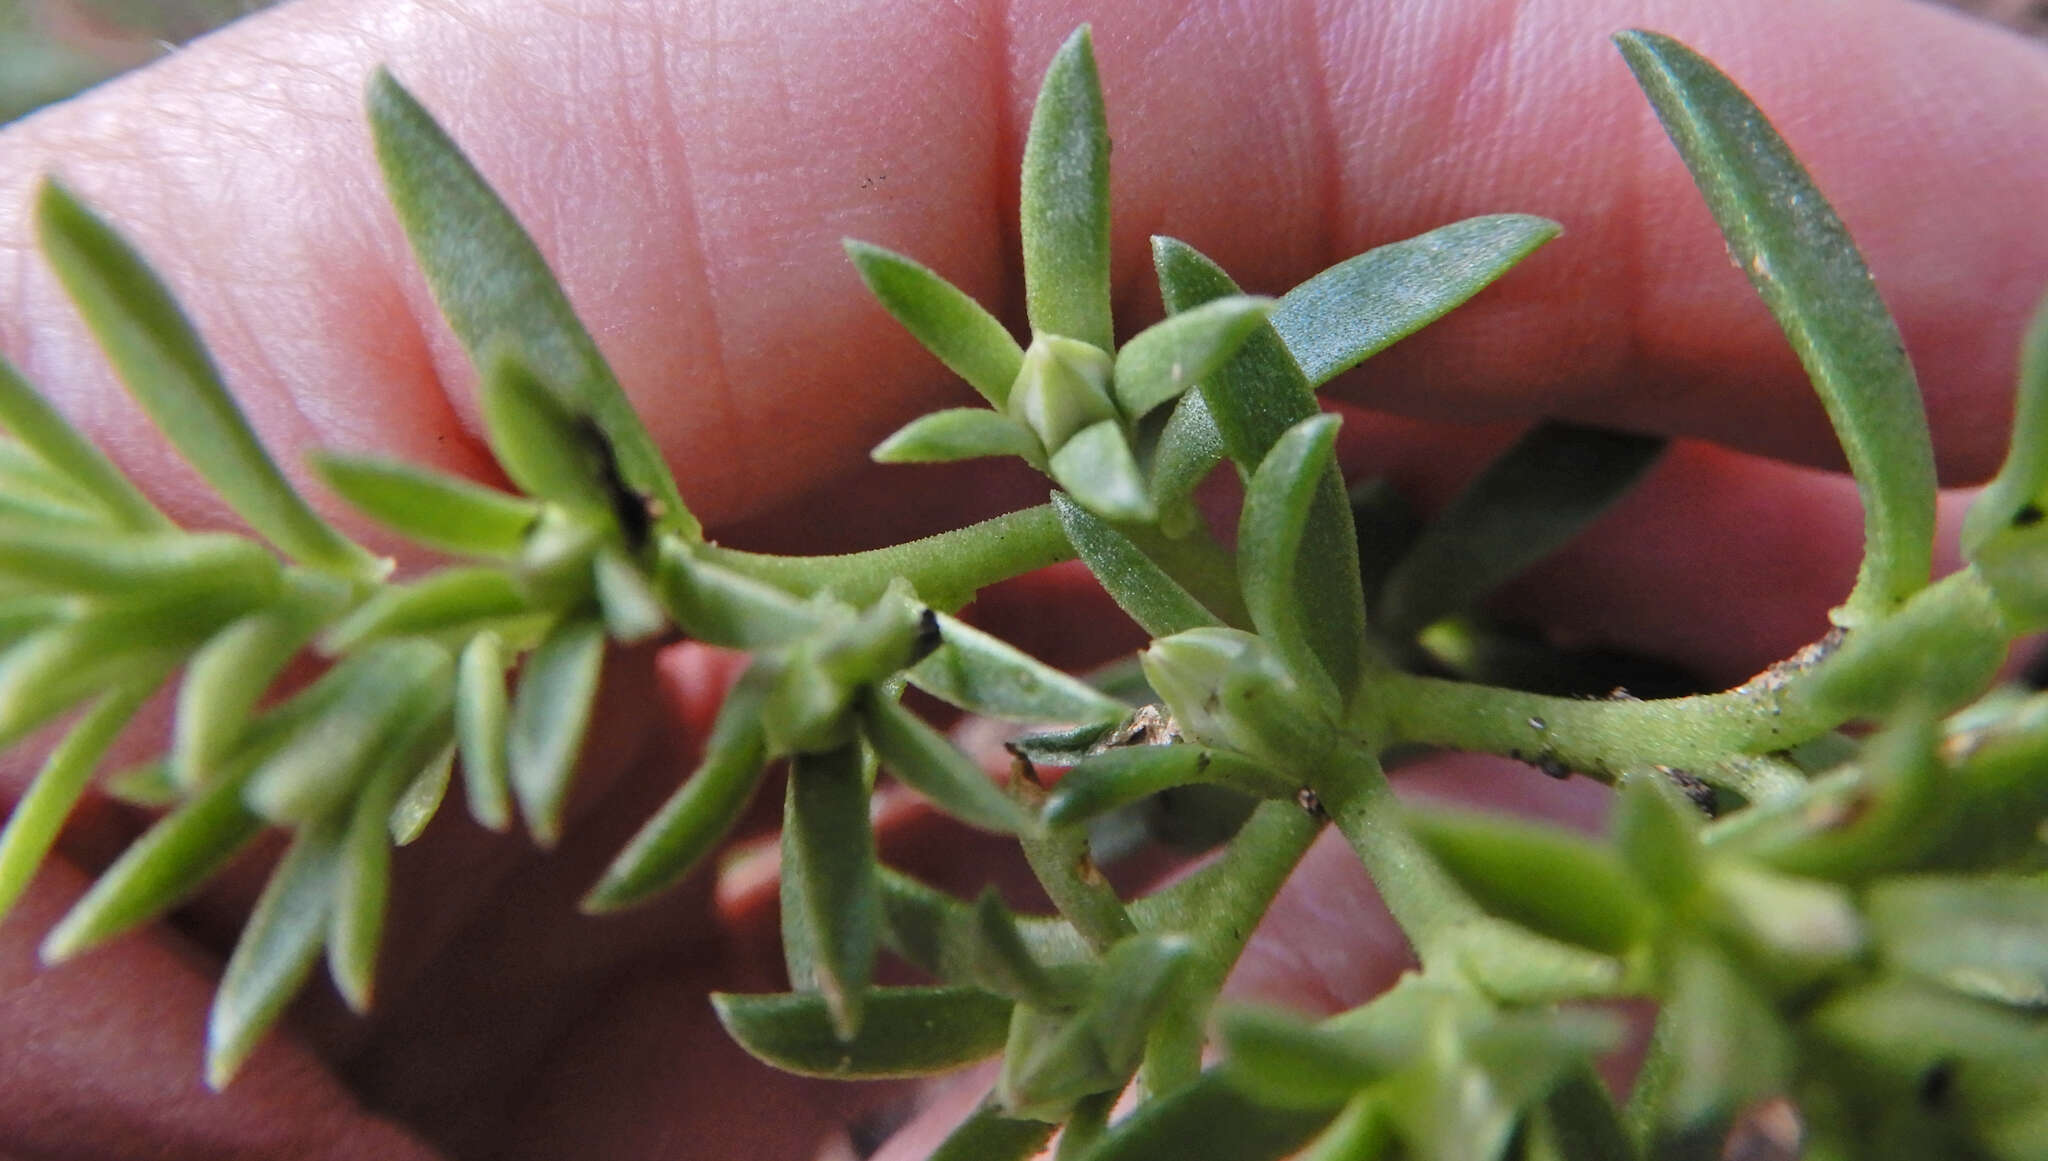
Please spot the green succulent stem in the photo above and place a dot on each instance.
(1352, 788)
(946, 569)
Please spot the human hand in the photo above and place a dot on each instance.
(690, 180)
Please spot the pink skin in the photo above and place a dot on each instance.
(690, 170)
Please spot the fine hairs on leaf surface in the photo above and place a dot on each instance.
(1826, 880)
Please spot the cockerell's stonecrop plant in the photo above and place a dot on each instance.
(1829, 878)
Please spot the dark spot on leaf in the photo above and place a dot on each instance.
(633, 511)
(2028, 516)
(929, 636)
(1310, 804)
(1936, 1085)
(1552, 765)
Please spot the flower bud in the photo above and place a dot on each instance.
(1227, 688)
(1062, 388)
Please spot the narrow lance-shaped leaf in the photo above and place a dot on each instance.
(1286, 1062)
(491, 283)
(537, 438)
(276, 950)
(907, 1032)
(965, 337)
(1120, 776)
(1056, 1059)
(362, 876)
(91, 563)
(1064, 199)
(372, 701)
(1003, 963)
(828, 873)
(1980, 936)
(429, 507)
(1279, 503)
(1555, 883)
(40, 427)
(550, 714)
(1169, 357)
(1216, 1118)
(926, 762)
(1097, 469)
(181, 851)
(986, 675)
(230, 673)
(1529, 502)
(698, 816)
(988, 1135)
(33, 824)
(718, 606)
(1798, 255)
(422, 798)
(1363, 305)
(960, 433)
(1140, 587)
(482, 719)
(1254, 399)
(2018, 497)
(167, 370)
(625, 597)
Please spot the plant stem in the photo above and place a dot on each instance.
(1061, 861)
(1601, 739)
(1429, 907)
(1219, 907)
(946, 568)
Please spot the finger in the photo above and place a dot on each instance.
(690, 170)
(98, 1059)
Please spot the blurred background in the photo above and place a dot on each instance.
(50, 49)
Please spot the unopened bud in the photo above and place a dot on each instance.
(1062, 388)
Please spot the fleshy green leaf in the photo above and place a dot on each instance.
(698, 816)
(828, 873)
(1254, 399)
(1003, 962)
(374, 700)
(537, 439)
(1065, 201)
(2017, 499)
(167, 370)
(148, 785)
(1285, 1062)
(91, 563)
(718, 606)
(959, 433)
(988, 1135)
(1097, 469)
(1211, 1118)
(33, 824)
(1122, 775)
(966, 338)
(56, 667)
(228, 675)
(276, 950)
(492, 285)
(482, 719)
(1800, 258)
(1549, 880)
(906, 1032)
(1278, 505)
(626, 598)
(422, 799)
(1981, 936)
(1532, 500)
(1166, 359)
(1363, 305)
(362, 880)
(447, 600)
(550, 713)
(39, 426)
(429, 507)
(1189, 449)
(1656, 834)
(922, 759)
(1139, 586)
(157, 871)
(1056, 1059)
(985, 675)
(1730, 1047)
